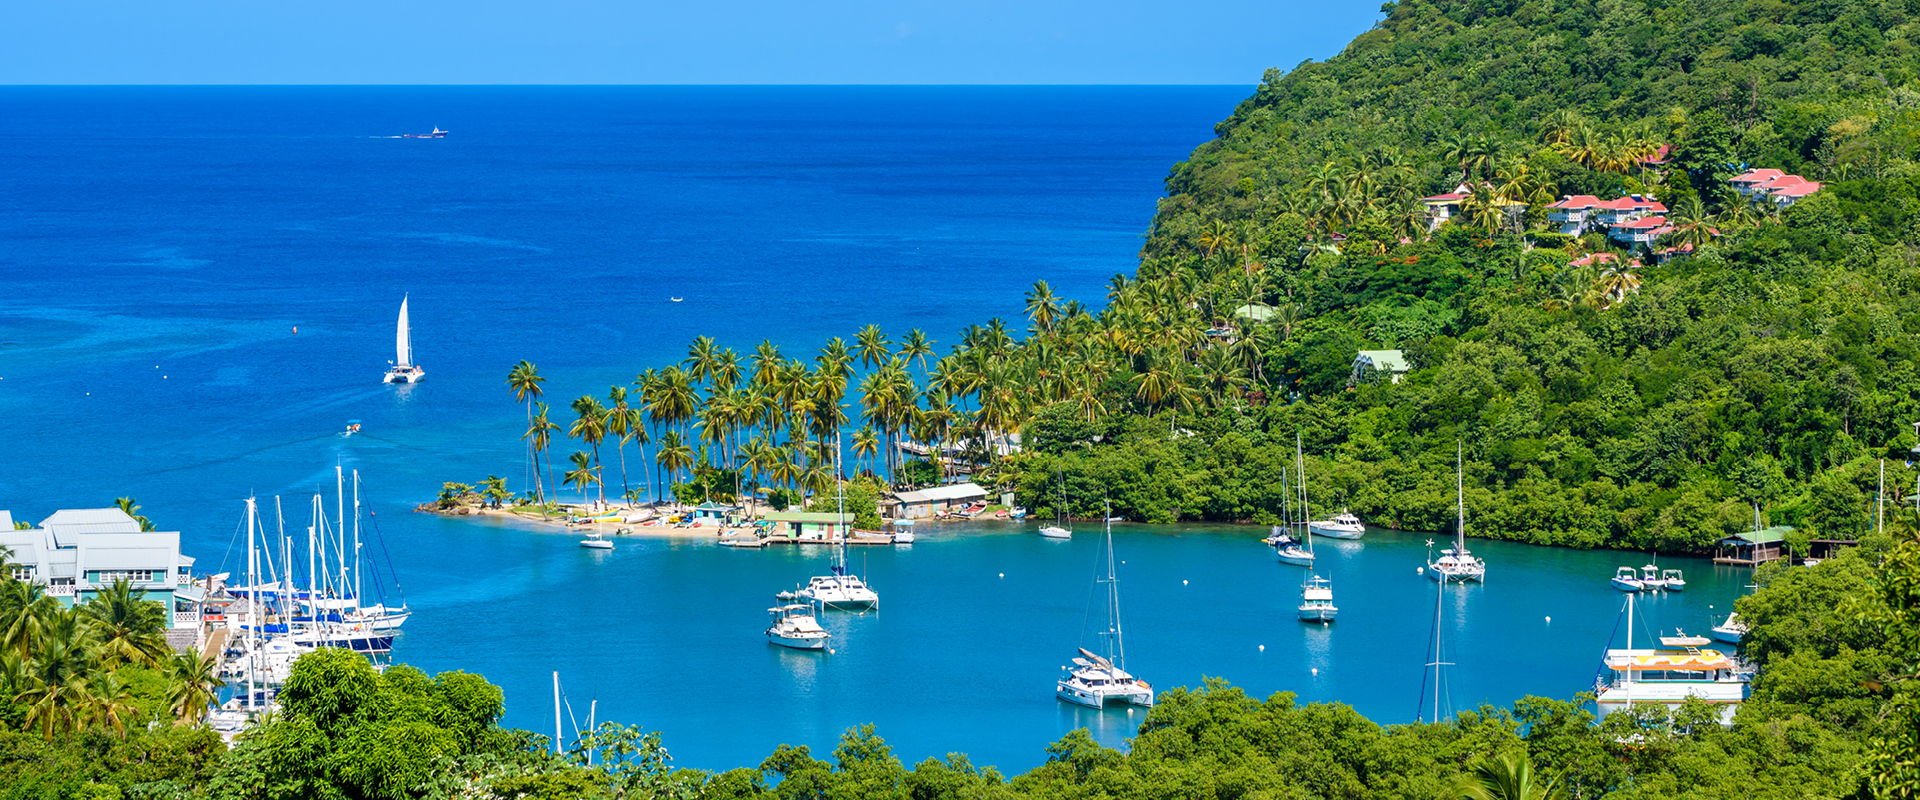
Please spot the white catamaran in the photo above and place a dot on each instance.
(404, 370)
(1097, 678)
(1455, 563)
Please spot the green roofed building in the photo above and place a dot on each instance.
(1391, 363)
(1258, 312)
(810, 525)
(1753, 548)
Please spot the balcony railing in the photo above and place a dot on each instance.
(60, 590)
(186, 618)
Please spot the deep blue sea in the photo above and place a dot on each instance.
(159, 247)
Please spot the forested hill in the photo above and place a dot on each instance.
(1610, 393)
(1799, 83)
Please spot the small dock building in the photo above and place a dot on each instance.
(1753, 548)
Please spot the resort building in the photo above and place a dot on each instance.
(1390, 363)
(78, 552)
(932, 502)
(1783, 189)
(1443, 207)
(1571, 215)
(1625, 209)
(1642, 231)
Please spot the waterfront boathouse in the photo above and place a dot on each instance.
(77, 552)
(1753, 548)
(815, 526)
(934, 501)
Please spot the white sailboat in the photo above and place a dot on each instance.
(1287, 547)
(1059, 529)
(1097, 678)
(403, 369)
(1455, 563)
(842, 589)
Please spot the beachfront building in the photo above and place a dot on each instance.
(77, 552)
(932, 502)
(1753, 548)
(810, 526)
(713, 514)
(1371, 363)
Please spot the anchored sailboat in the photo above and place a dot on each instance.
(842, 589)
(1099, 677)
(1455, 563)
(404, 370)
(1284, 544)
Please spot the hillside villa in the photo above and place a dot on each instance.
(78, 552)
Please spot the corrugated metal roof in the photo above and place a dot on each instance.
(1771, 535)
(808, 516)
(935, 494)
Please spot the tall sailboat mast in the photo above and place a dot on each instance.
(340, 518)
(253, 601)
(1460, 492)
(1116, 644)
(356, 539)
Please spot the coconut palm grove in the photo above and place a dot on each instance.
(1572, 223)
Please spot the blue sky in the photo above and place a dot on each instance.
(653, 42)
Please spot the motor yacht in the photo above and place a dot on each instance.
(795, 626)
(1627, 579)
(1316, 601)
(1343, 526)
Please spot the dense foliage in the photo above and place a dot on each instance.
(1834, 714)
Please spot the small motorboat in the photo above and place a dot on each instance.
(436, 134)
(795, 626)
(1730, 631)
(903, 531)
(1018, 513)
(353, 427)
(1627, 579)
(1681, 639)
(1650, 579)
(1316, 601)
(596, 541)
(675, 299)
(1671, 579)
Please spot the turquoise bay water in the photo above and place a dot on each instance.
(159, 246)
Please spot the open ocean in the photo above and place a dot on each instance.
(159, 247)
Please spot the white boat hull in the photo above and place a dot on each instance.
(1296, 557)
(596, 544)
(798, 642)
(1318, 613)
(1336, 531)
(1100, 696)
(1051, 532)
(1627, 585)
(414, 376)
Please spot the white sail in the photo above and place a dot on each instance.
(403, 343)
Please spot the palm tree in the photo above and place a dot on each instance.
(129, 628)
(582, 475)
(112, 702)
(58, 697)
(635, 425)
(871, 346)
(865, 444)
(525, 380)
(590, 427)
(127, 504)
(1691, 227)
(193, 681)
(674, 455)
(539, 434)
(24, 610)
(702, 356)
(1042, 307)
(1508, 777)
(617, 421)
(917, 347)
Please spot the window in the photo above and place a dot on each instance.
(102, 578)
(23, 572)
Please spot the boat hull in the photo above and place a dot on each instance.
(1332, 532)
(1300, 558)
(1627, 585)
(1051, 532)
(1318, 613)
(797, 642)
(1727, 635)
(1101, 697)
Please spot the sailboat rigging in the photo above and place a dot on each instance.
(842, 589)
(403, 369)
(1097, 678)
(1455, 563)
